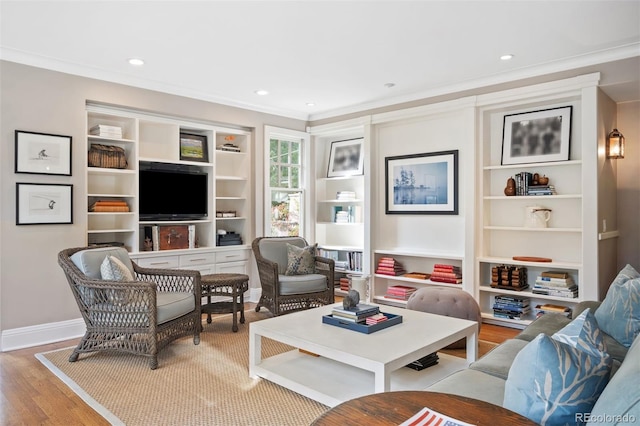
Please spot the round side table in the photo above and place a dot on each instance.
(393, 408)
(228, 285)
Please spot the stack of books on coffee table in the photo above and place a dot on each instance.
(357, 314)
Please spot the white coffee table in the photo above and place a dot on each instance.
(350, 364)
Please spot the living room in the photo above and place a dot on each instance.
(38, 308)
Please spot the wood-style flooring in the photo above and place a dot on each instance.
(31, 395)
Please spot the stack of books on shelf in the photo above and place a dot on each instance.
(511, 307)
(109, 206)
(445, 273)
(400, 292)
(342, 216)
(344, 283)
(541, 190)
(424, 362)
(357, 314)
(550, 308)
(390, 266)
(555, 283)
(105, 131)
(345, 195)
(228, 147)
(355, 260)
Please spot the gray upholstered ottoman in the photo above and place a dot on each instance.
(450, 302)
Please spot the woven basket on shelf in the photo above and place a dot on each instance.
(108, 156)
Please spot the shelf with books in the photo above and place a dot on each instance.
(415, 264)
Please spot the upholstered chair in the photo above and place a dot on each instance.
(128, 308)
(287, 285)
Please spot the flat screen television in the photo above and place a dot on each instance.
(172, 192)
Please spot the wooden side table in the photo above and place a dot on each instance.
(393, 408)
(228, 285)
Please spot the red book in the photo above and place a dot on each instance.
(445, 275)
(445, 266)
(447, 270)
(385, 273)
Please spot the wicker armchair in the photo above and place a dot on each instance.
(140, 316)
(282, 294)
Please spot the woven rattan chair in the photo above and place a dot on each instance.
(140, 316)
(281, 293)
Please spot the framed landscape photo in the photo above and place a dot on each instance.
(537, 136)
(40, 203)
(346, 158)
(422, 183)
(42, 153)
(193, 147)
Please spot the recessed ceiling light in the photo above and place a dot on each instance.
(506, 57)
(389, 85)
(261, 92)
(310, 104)
(136, 62)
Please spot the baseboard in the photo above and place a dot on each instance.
(37, 335)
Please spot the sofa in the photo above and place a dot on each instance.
(492, 378)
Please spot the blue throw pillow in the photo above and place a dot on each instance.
(550, 382)
(583, 333)
(619, 313)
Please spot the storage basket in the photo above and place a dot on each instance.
(108, 156)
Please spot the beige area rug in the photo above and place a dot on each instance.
(208, 384)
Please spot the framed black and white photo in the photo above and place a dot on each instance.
(537, 136)
(422, 183)
(42, 153)
(193, 147)
(40, 203)
(346, 158)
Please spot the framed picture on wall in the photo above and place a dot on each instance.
(40, 203)
(42, 153)
(537, 136)
(422, 183)
(193, 147)
(346, 158)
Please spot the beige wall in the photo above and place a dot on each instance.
(33, 289)
(629, 186)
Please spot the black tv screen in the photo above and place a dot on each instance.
(172, 193)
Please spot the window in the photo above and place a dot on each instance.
(286, 190)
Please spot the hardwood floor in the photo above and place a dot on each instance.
(31, 395)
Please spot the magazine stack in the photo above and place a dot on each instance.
(511, 307)
(555, 283)
(444, 273)
(357, 314)
(400, 292)
(389, 266)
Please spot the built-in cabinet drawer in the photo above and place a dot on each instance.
(232, 268)
(164, 262)
(196, 259)
(232, 255)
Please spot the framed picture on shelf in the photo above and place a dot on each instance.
(346, 158)
(42, 153)
(193, 147)
(422, 183)
(537, 136)
(40, 203)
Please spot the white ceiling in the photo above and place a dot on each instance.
(336, 54)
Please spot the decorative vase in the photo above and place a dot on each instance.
(543, 180)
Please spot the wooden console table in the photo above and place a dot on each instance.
(393, 408)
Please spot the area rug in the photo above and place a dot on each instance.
(206, 384)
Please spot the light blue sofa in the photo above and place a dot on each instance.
(485, 379)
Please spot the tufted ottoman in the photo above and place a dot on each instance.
(450, 302)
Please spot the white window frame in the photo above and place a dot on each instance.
(271, 132)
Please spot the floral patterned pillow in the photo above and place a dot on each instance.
(301, 260)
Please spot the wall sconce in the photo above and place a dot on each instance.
(615, 144)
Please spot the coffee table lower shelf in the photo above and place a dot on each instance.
(332, 382)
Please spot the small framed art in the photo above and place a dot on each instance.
(537, 136)
(42, 153)
(346, 158)
(39, 204)
(422, 183)
(193, 147)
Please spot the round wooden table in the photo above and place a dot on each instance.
(229, 285)
(393, 408)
